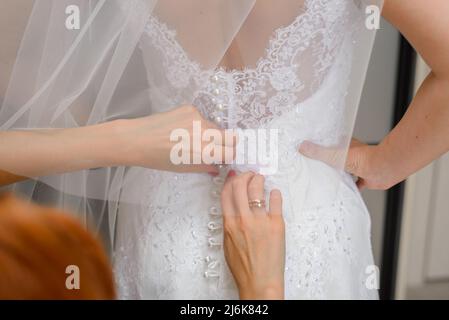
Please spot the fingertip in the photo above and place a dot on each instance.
(255, 175)
(249, 174)
(305, 146)
(213, 170)
(360, 184)
(275, 202)
(276, 194)
(231, 173)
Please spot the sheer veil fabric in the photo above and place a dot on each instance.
(65, 78)
(296, 67)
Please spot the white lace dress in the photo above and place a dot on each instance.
(170, 246)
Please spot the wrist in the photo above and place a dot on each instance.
(132, 140)
(116, 134)
(382, 164)
(268, 292)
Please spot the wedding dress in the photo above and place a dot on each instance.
(298, 71)
(169, 246)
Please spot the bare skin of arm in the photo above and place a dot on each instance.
(423, 134)
(143, 142)
(7, 178)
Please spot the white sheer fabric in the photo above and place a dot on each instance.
(307, 86)
(68, 78)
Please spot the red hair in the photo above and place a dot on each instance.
(37, 244)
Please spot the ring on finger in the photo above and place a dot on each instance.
(256, 203)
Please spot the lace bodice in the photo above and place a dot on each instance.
(297, 61)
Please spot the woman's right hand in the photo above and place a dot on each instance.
(146, 141)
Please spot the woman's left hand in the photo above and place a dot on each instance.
(254, 238)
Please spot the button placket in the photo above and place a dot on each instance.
(214, 225)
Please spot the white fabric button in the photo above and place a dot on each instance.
(214, 211)
(213, 243)
(211, 274)
(212, 226)
(216, 194)
(218, 180)
(213, 264)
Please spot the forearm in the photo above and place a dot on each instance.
(423, 133)
(44, 152)
(7, 178)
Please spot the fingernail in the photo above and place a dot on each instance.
(231, 173)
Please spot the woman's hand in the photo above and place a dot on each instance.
(254, 238)
(422, 135)
(141, 142)
(147, 140)
(365, 162)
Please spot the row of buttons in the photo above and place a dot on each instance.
(218, 101)
(214, 225)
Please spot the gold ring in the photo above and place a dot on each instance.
(256, 203)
